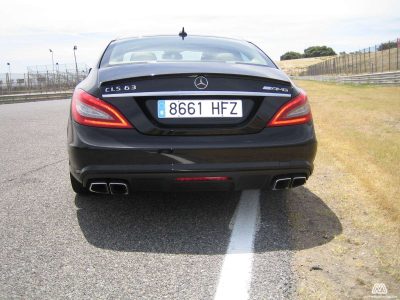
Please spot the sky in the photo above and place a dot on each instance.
(28, 29)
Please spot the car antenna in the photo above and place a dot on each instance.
(183, 34)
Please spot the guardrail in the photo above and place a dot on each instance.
(386, 78)
(16, 98)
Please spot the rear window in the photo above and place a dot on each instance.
(191, 49)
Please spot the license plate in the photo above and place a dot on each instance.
(199, 109)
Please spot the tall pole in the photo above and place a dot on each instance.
(389, 55)
(53, 73)
(58, 75)
(76, 64)
(369, 59)
(397, 60)
(52, 58)
(9, 76)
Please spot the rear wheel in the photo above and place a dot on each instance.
(77, 186)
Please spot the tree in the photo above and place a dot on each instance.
(385, 46)
(317, 51)
(291, 55)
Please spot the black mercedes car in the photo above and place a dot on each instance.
(186, 112)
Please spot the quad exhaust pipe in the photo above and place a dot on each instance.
(113, 188)
(99, 187)
(283, 183)
(118, 188)
(298, 181)
(121, 188)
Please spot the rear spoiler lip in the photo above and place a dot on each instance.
(196, 93)
(116, 73)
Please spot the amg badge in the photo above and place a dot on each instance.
(276, 89)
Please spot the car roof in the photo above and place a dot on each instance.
(177, 36)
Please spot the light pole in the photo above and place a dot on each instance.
(9, 75)
(52, 58)
(58, 74)
(76, 64)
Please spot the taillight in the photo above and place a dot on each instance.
(296, 111)
(91, 111)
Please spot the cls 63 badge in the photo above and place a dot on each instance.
(120, 88)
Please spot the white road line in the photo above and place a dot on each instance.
(235, 278)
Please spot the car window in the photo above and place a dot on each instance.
(173, 49)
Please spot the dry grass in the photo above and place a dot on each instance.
(357, 177)
(296, 66)
(380, 61)
(361, 125)
(362, 63)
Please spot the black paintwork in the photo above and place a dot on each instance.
(115, 73)
(185, 82)
(154, 152)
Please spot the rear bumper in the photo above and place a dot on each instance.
(154, 162)
(239, 179)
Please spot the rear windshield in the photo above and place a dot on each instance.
(191, 49)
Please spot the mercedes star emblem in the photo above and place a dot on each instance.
(201, 82)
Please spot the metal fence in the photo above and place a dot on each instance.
(385, 78)
(42, 79)
(376, 59)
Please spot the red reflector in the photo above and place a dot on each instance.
(214, 178)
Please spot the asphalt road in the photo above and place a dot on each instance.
(148, 245)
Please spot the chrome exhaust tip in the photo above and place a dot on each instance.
(282, 183)
(118, 188)
(298, 181)
(99, 188)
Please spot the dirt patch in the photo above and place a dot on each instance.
(366, 251)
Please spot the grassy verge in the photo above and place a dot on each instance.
(360, 126)
(356, 175)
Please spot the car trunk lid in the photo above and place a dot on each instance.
(255, 98)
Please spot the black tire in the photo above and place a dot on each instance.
(77, 186)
